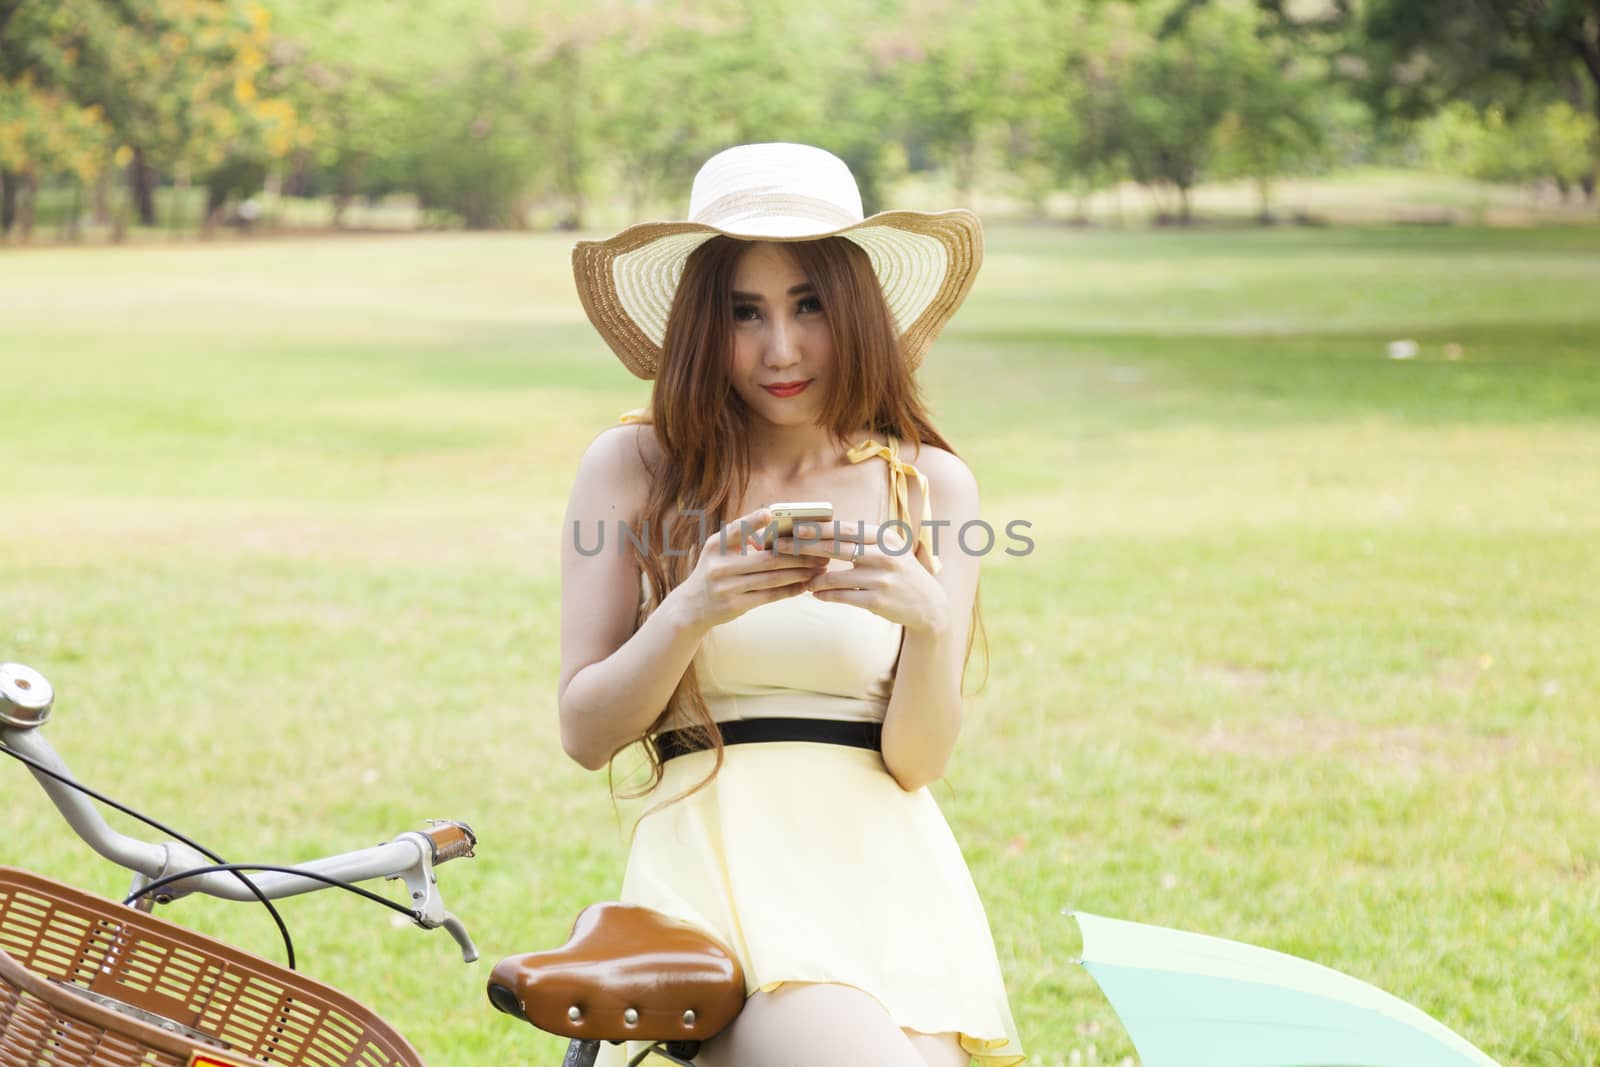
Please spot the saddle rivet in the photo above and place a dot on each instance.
(630, 1016)
(688, 1018)
(574, 1014)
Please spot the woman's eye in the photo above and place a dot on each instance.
(744, 312)
(810, 305)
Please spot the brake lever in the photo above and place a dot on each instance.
(454, 927)
(427, 904)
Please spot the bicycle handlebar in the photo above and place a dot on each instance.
(25, 701)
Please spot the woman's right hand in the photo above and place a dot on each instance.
(733, 574)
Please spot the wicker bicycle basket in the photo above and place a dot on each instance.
(87, 981)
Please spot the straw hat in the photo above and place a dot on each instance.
(925, 262)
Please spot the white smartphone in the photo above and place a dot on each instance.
(786, 514)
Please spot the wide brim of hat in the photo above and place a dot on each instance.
(925, 263)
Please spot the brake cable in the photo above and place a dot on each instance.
(288, 942)
(170, 879)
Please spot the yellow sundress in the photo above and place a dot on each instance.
(808, 859)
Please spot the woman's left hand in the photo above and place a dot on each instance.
(885, 576)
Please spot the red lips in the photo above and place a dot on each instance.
(788, 388)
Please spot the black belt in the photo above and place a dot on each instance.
(673, 743)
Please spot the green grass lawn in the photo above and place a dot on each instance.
(1305, 655)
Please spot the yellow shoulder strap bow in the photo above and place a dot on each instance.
(636, 415)
(898, 469)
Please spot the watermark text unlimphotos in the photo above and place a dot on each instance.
(974, 537)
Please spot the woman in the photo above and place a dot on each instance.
(781, 329)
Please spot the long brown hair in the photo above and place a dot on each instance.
(701, 423)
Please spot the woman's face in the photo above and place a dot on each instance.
(780, 338)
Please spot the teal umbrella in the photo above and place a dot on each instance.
(1188, 1000)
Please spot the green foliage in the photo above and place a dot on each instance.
(84, 84)
(1213, 86)
(1080, 127)
(1175, 94)
(471, 167)
(669, 90)
(1505, 56)
(956, 84)
(1278, 121)
(534, 111)
(43, 132)
(1422, 54)
(1552, 142)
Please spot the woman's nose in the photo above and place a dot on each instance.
(782, 346)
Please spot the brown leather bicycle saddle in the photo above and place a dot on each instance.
(626, 973)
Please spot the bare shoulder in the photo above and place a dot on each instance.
(949, 477)
(632, 445)
(618, 466)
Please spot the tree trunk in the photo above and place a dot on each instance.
(8, 201)
(1589, 52)
(574, 219)
(1264, 199)
(349, 182)
(102, 199)
(571, 172)
(572, 168)
(1184, 216)
(119, 219)
(966, 171)
(180, 193)
(272, 198)
(1588, 180)
(141, 186)
(69, 223)
(299, 180)
(637, 189)
(216, 200)
(27, 203)
(1080, 205)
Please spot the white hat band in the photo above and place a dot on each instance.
(766, 207)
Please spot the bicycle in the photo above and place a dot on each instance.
(86, 981)
(90, 982)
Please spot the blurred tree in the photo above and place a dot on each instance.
(1063, 114)
(469, 144)
(492, 112)
(1038, 99)
(1427, 52)
(474, 108)
(1421, 54)
(169, 84)
(1218, 87)
(675, 86)
(44, 132)
(1276, 123)
(953, 90)
(356, 72)
(1550, 144)
(1174, 92)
